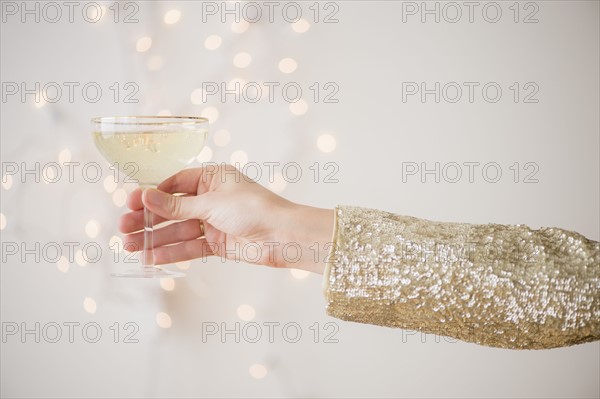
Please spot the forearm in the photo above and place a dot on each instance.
(503, 286)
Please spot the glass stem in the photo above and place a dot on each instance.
(148, 255)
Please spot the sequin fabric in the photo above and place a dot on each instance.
(505, 286)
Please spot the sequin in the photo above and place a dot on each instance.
(503, 286)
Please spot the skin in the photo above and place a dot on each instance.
(243, 221)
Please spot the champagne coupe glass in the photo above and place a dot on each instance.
(148, 149)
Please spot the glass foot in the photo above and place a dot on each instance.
(148, 272)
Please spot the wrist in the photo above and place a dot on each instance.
(310, 231)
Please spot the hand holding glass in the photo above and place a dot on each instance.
(157, 147)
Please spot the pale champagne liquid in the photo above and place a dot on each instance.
(150, 157)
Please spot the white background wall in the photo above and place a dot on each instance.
(368, 54)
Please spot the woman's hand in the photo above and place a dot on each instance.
(241, 220)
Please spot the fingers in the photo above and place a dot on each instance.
(134, 200)
(171, 234)
(185, 181)
(195, 181)
(172, 207)
(199, 181)
(186, 250)
(134, 221)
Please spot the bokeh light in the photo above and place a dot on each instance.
(196, 96)
(258, 371)
(288, 65)
(64, 156)
(92, 228)
(79, 258)
(7, 182)
(299, 274)
(326, 143)
(143, 44)
(115, 243)
(210, 113)
(163, 320)
(242, 60)
(213, 42)
(240, 27)
(89, 304)
(278, 184)
(155, 63)
(172, 17)
(62, 264)
(246, 312)
(239, 157)
(119, 197)
(299, 107)
(167, 284)
(205, 155)
(110, 184)
(301, 25)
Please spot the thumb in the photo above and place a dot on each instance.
(174, 207)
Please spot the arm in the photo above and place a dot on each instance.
(496, 285)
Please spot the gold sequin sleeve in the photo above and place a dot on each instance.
(504, 286)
